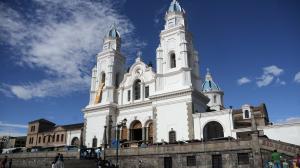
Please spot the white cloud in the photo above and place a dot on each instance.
(243, 80)
(273, 70)
(61, 38)
(289, 120)
(269, 73)
(10, 129)
(297, 77)
(280, 82)
(3, 124)
(11, 132)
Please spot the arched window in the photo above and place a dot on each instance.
(117, 80)
(98, 98)
(136, 131)
(75, 141)
(103, 78)
(172, 136)
(137, 89)
(172, 60)
(94, 144)
(213, 130)
(247, 115)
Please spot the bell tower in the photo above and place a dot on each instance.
(108, 72)
(177, 60)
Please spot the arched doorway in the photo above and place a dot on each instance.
(212, 130)
(75, 141)
(136, 132)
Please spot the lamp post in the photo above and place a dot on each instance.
(105, 142)
(119, 125)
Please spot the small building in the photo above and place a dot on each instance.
(12, 142)
(44, 133)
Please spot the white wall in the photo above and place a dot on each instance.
(223, 117)
(172, 113)
(95, 123)
(289, 133)
(72, 134)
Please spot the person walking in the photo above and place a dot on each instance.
(3, 162)
(59, 161)
(276, 157)
(10, 163)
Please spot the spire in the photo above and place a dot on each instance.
(175, 7)
(208, 76)
(209, 84)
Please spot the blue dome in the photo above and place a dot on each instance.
(209, 84)
(113, 33)
(175, 7)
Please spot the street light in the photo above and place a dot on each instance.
(105, 142)
(119, 125)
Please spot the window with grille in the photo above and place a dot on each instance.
(191, 160)
(243, 158)
(247, 114)
(167, 162)
(62, 138)
(146, 91)
(173, 60)
(128, 95)
(216, 161)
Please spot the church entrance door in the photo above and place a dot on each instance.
(136, 131)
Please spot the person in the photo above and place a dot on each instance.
(270, 164)
(276, 156)
(298, 160)
(10, 163)
(59, 161)
(140, 163)
(285, 164)
(3, 162)
(53, 165)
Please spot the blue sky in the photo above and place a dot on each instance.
(47, 49)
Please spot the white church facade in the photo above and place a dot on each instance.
(170, 103)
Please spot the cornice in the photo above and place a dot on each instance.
(135, 105)
(169, 95)
(99, 107)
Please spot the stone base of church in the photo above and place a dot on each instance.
(225, 153)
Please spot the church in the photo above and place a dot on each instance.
(173, 102)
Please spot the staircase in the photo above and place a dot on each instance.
(77, 163)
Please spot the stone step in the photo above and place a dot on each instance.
(76, 163)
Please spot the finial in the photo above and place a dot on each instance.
(139, 55)
(207, 71)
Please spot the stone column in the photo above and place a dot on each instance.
(143, 91)
(257, 159)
